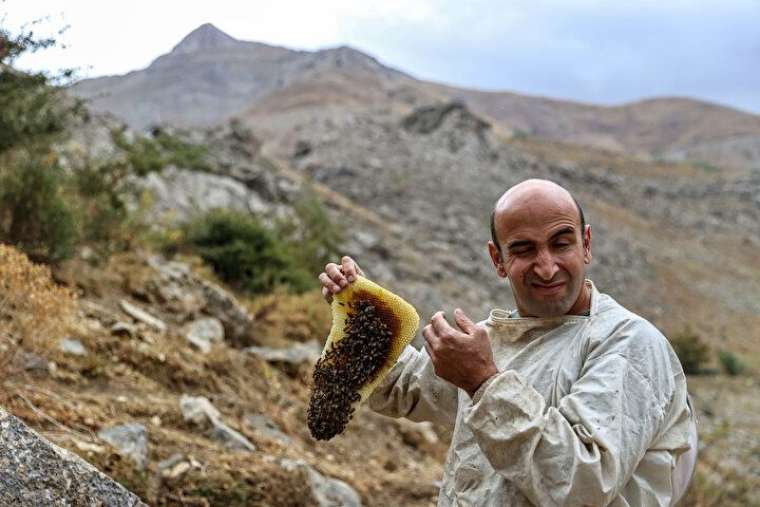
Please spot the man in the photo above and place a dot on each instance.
(568, 400)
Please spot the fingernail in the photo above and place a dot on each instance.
(343, 283)
(350, 278)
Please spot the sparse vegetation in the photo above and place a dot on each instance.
(245, 253)
(730, 363)
(34, 311)
(691, 351)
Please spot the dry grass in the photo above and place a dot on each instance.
(34, 312)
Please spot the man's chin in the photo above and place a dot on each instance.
(546, 309)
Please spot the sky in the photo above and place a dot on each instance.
(595, 51)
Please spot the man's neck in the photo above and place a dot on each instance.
(582, 305)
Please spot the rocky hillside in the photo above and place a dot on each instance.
(188, 395)
(209, 77)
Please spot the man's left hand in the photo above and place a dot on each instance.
(461, 356)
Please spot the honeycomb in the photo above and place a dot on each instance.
(371, 326)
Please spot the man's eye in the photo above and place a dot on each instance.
(521, 251)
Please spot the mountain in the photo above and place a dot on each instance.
(210, 76)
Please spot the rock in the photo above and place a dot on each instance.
(203, 333)
(123, 329)
(174, 466)
(327, 492)
(266, 427)
(72, 347)
(190, 294)
(33, 471)
(237, 321)
(130, 440)
(142, 316)
(297, 354)
(417, 435)
(202, 412)
(231, 438)
(29, 361)
(198, 409)
(182, 194)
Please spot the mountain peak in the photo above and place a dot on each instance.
(206, 36)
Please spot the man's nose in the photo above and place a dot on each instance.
(545, 267)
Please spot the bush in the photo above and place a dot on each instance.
(34, 212)
(730, 363)
(246, 254)
(691, 351)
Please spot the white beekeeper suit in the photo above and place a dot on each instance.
(586, 410)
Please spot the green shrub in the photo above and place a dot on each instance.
(35, 214)
(730, 363)
(691, 351)
(245, 253)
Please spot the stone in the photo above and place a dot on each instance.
(230, 438)
(35, 472)
(299, 353)
(130, 440)
(199, 410)
(203, 333)
(123, 329)
(189, 294)
(266, 427)
(238, 323)
(72, 347)
(29, 361)
(174, 466)
(327, 492)
(142, 316)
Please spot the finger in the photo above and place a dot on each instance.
(327, 283)
(430, 337)
(431, 341)
(336, 275)
(464, 322)
(440, 324)
(349, 268)
(327, 294)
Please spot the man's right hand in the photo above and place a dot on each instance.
(337, 276)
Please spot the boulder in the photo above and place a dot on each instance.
(200, 411)
(180, 288)
(203, 333)
(130, 440)
(35, 472)
(266, 426)
(141, 315)
(326, 491)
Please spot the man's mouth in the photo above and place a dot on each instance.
(548, 289)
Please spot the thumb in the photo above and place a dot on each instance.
(464, 322)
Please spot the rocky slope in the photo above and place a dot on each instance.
(210, 76)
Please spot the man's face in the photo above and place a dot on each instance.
(544, 254)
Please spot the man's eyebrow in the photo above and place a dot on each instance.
(564, 230)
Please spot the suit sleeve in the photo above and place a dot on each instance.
(413, 390)
(584, 451)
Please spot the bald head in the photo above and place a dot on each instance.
(533, 191)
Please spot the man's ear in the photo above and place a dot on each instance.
(497, 259)
(587, 244)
